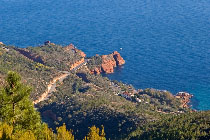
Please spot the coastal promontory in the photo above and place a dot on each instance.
(105, 63)
(68, 88)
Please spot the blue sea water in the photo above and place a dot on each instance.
(166, 43)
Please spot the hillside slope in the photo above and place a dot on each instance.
(82, 99)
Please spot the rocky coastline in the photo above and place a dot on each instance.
(110, 61)
(185, 98)
(99, 64)
(107, 64)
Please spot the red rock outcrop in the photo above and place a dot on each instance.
(109, 62)
(96, 70)
(69, 47)
(185, 98)
(77, 64)
(82, 53)
(72, 47)
(119, 60)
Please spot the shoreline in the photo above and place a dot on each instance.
(185, 99)
(109, 63)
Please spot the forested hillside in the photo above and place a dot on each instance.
(83, 98)
(21, 121)
(177, 127)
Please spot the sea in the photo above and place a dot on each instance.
(165, 43)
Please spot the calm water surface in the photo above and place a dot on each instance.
(166, 44)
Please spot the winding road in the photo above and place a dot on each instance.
(52, 85)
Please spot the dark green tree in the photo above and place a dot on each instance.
(15, 107)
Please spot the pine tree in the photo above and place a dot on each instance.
(15, 107)
(102, 134)
(5, 131)
(24, 135)
(64, 134)
(94, 134)
(47, 133)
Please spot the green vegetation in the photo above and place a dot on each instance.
(55, 56)
(176, 127)
(99, 105)
(162, 100)
(33, 73)
(82, 100)
(95, 134)
(16, 109)
(94, 62)
(63, 134)
(20, 121)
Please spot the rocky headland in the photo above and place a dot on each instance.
(68, 88)
(185, 98)
(71, 47)
(105, 63)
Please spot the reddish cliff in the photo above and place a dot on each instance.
(96, 70)
(119, 60)
(71, 47)
(30, 55)
(185, 98)
(107, 64)
(77, 64)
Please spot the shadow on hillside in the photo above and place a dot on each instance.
(116, 125)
